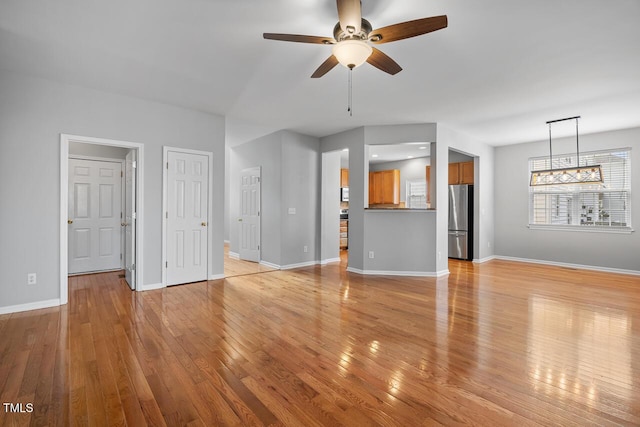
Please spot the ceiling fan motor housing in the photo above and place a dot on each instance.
(363, 34)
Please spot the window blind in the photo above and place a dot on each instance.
(603, 205)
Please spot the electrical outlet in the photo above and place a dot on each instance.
(31, 279)
(488, 244)
(370, 254)
(439, 255)
(305, 249)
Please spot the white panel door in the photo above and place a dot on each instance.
(250, 214)
(95, 191)
(187, 202)
(130, 219)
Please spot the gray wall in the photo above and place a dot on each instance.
(33, 114)
(290, 165)
(301, 187)
(409, 254)
(353, 140)
(484, 158)
(456, 157)
(410, 170)
(515, 239)
(401, 241)
(265, 152)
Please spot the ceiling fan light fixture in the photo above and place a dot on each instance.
(352, 53)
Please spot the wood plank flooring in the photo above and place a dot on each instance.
(500, 343)
(236, 267)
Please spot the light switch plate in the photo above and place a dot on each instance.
(292, 211)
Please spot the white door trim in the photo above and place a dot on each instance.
(165, 177)
(65, 139)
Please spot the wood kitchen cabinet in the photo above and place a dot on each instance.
(384, 187)
(461, 173)
(344, 177)
(344, 234)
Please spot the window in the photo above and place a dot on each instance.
(416, 194)
(602, 206)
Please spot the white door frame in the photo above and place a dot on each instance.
(165, 196)
(65, 139)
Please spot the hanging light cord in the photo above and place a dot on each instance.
(350, 100)
(577, 143)
(550, 152)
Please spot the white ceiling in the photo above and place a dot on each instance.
(498, 72)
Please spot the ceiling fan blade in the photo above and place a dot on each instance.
(299, 38)
(405, 30)
(350, 15)
(383, 62)
(325, 67)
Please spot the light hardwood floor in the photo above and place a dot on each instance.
(500, 343)
(236, 267)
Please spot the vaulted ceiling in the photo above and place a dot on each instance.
(498, 72)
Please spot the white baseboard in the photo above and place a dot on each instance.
(330, 260)
(485, 259)
(226, 242)
(150, 287)
(398, 273)
(568, 265)
(270, 265)
(234, 255)
(216, 277)
(30, 306)
(299, 265)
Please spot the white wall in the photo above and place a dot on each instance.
(515, 239)
(33, 114)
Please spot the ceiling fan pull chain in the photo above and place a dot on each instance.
(350, 106)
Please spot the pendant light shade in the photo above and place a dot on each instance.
(583, 175)
(572, 175)
(352, 53)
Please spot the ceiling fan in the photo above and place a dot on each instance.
(353, 36)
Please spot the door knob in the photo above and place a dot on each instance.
(124, 224)
(204, 224)
(69, 221)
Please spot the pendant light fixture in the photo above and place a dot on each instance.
(572, 175)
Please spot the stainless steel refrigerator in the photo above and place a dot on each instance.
(461, 221)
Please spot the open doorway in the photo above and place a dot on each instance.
(101, 188)
(461, 192)
(334, 244)
(344, 207)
